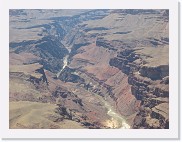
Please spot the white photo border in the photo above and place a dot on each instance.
(171, 133)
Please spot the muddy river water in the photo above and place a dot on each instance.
(116, 121)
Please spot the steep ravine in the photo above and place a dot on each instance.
(98, 74)
(144, 83)
(116, 120)
(150, 86)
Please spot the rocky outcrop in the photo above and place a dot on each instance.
(63, 95)
(51, 58)
(68, 75)
(65, 112)
(155, 118)
(150, 85)
(32, 72)
(43, 78)
(71, 107)
(125, 61)
(104, 43)
(29, 83)
(155, 73)
(75, 48)
(95, 85)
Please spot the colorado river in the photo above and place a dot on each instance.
(116, 121)
(65, 63)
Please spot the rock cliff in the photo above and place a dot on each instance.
(90, 67)
(150, 85)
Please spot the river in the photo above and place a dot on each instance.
(116, 121)
(65, 63)
(65, 60)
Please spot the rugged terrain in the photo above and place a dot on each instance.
(89, 69)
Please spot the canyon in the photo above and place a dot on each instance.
(89, 69)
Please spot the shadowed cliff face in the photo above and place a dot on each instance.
(93, 68)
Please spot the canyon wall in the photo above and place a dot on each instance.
(90, 62)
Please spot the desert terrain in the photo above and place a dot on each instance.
(89, 69)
